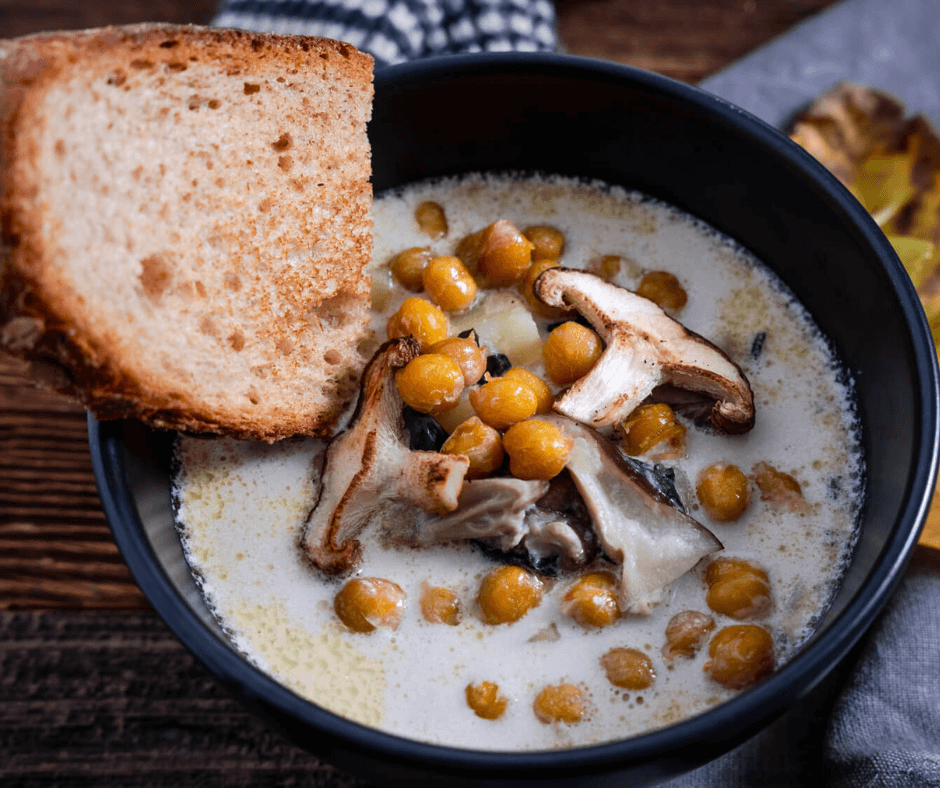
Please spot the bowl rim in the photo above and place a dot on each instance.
(759, 705)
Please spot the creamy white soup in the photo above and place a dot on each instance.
(242, 506)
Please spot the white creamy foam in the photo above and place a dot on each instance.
(242, 505)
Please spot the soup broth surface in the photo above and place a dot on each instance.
(241, 506)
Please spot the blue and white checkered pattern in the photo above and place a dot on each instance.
(393, 31)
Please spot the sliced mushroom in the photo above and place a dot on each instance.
(493, 509)
(369, 471)
(653, 542)
(645, 348)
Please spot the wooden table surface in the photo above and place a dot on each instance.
(94, 689)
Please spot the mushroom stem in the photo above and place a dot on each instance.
(653, 542)
(645, 348)
(370, 473)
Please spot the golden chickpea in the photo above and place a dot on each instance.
(366, 603)
(468, 250)
(608, 266)
(722, 490)
(507, 593)
(430, 383)
(548, 243)
(560, 703)
(628, 668)
(663, 289)
(592, 600)
(685, 634)
(431, 219)
(505, 253)
(439, 605)
(419, 318)
(485, 700)
(779, 488)
(481, 444)
(570, 352)
(502, 402)
(470, 357)
(543, 394)
(536, 306)
(408, 267)
(737, 589)
(741, 655)
(449, 283)
(536, 449)
(649, 426)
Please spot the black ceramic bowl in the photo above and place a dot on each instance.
(676, 143)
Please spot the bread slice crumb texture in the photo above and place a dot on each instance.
(187, 215)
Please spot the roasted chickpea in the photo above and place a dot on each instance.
(570, 352)
(468, 250)
(470, 357)
(741, 655)
(592, 600)
(649, 426)
(536, 306)
(685, 634)
(505, 253)
(431, 219)
(481, 444)
(663, 289)
(548, 243)
(485, 700)
(408, 267)
(628, 668)
(430, 383)
(560, 703)
(537, 449)
(737, 588)
(779, 488)
(543, 394)
(608, 266)
(439, 605)
(507, 593)
(722, 490)
(365, 603)
(449, 283)
(419, 318)
(502, 402)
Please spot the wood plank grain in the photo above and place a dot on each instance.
(684, 39)
(20, 18)
(115, 700)
(56, 550)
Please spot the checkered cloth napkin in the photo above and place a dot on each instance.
(393, 31)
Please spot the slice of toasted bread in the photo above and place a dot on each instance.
(186, 215)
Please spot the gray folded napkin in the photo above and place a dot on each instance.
(876, 721)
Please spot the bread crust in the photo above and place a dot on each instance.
(270, 297)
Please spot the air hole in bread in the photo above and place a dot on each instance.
(284, 347)
(141, 64)
(116, 78)
(253, 397)
(156, 272)
(285, 162)
(332, 356)
(283, 143)
(169, 44)
(206, 326)
(251, 88)
(232, 282)
(237, 341)
(176, 66)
